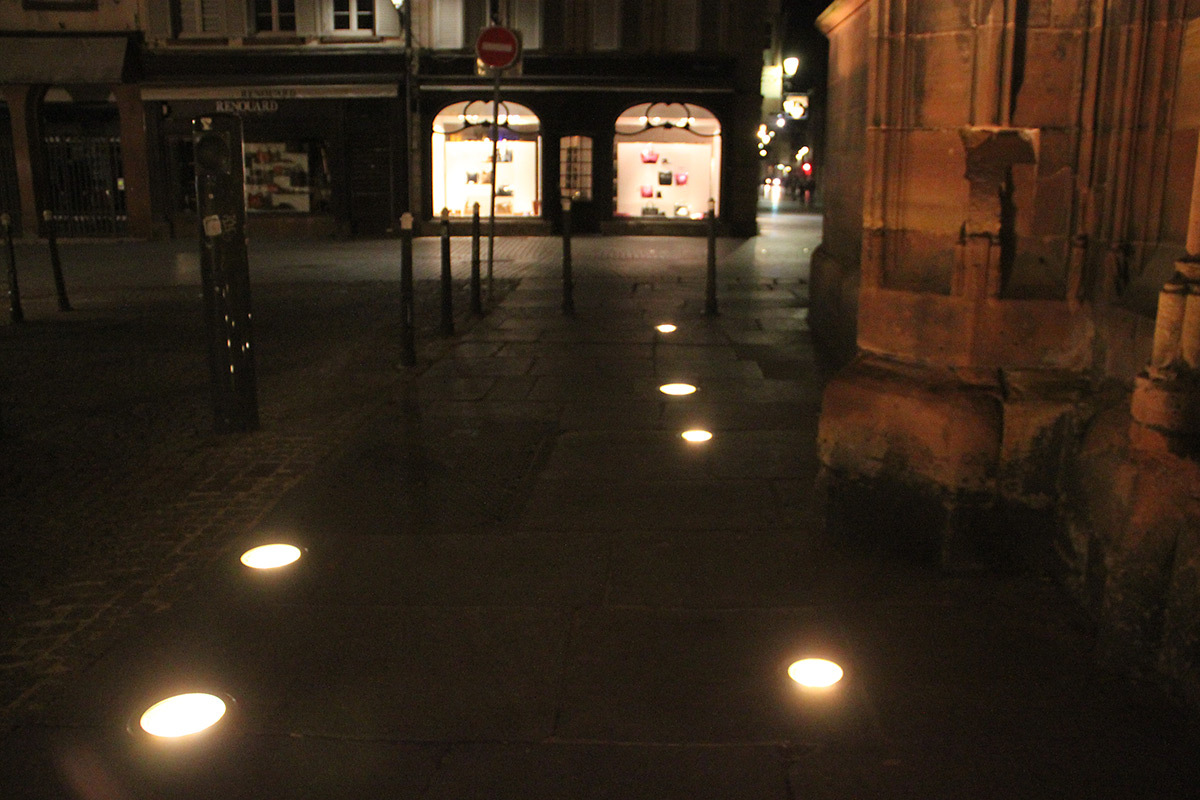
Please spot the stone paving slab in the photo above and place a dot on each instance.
(500, 597)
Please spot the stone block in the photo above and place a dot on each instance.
(939, 17)
(911, 424)
(939, 74)
(1049, 95)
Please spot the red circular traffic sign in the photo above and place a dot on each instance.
(497, 47)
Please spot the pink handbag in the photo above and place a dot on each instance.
(681, 179)
(649, 156)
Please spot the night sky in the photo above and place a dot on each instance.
(801, 38)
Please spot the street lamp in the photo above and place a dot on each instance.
(790, 65)
(404, 10)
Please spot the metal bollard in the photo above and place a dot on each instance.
(16, 314)
(710, 300)
(476, 299)
(447, 327)
(408, 348)
(568, 303)
(55, 261)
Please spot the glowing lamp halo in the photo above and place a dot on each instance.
(666, 327)
(815, 673)
(182, 715)
(677, 389)
(696, 436)
(271, 556)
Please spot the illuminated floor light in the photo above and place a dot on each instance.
(182, 715)
(696, 436)
(815, 673)
(666, 327)
(677, 389)
(270, 556)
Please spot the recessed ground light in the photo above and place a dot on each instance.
(270, 556)
(182, 715)
(677, 389)
(666, 327)
(815, 673)
(696, 436)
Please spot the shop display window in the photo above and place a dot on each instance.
(462, 160)
(667, 161)
(286, 177)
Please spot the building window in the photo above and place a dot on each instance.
(575, 167)
(200, 17)
(274, 16)
(354, 15)
(668, 161)
(287, 177)
(464, 152)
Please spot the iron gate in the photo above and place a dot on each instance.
(86, 187)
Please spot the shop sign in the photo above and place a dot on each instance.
(248, 106)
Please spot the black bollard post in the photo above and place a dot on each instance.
(476, 289)
(447, 326)
(408, 345)
(225, 271)
(710, 300)
(568, 303)
(55, 261)
(15, 312)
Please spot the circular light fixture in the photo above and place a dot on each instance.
(677, 389)
(182, 715)
(696, 436)
(666, 327)
(270, 556)
(815, 673)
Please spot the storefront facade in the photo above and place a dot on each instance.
(637, 147)
(319, 159)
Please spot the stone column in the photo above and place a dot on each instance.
(1166, 395)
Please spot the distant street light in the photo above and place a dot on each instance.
(790, 65)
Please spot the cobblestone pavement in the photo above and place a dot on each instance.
(116, 492)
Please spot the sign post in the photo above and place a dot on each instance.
(497, 48)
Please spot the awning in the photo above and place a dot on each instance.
(62, 59)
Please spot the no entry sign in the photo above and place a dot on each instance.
(497, 47)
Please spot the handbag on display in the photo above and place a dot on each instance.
(647, 191)
(472, 177)
(649, 156)
(665, 178)
(681, 179)
(504, 191)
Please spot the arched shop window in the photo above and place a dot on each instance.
(462, 159)
(668, 161)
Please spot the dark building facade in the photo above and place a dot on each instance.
(333, 149)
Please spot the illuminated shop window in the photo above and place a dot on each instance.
(463, 153)
(287, 177)
(667, 161)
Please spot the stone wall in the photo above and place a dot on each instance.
(1014, 186)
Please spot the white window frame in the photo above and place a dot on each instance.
(356, 7)
(275, 16)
